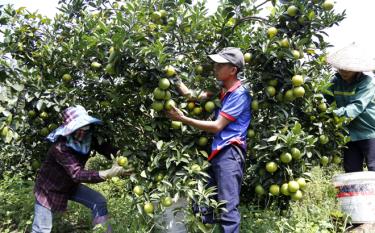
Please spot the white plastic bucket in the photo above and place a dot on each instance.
(174, 219)
(356, 195)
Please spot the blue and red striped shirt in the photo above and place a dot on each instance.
(235, 106)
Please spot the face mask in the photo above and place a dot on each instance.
(80, 141)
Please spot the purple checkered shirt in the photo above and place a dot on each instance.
(62, 171)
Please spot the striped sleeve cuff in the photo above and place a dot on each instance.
(227, 116)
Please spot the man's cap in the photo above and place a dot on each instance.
(229, 55)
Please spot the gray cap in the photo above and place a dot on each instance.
(229, 55)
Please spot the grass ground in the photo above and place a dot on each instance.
(318, 212)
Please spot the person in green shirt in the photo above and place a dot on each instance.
(354, 93)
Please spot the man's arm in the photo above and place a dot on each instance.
(208, 126)
(191, 94)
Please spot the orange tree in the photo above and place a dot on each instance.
(115, 58)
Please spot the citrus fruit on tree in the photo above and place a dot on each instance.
(285, 157)
(250, 133)
(271, 167)
(292, 10)
(284, 189)
(202, 141)
(288, 96)
(259, 190)
(271, 32)
(164, 83)
(271, 91)
(296, 153)
(336, 159)
(176, 124)
(209, 106)
(322, 107)
(198, 69)
(298, 92)
(138, 190)
(148, 208)
(274, 189)
(169, 104)
(159, 94)
(166, 201)
(284, 43)
(44, 131)
(67, 78)
(31, 113)
(255, 105)
(327, 5)
(167, 95)
(159, 177)
(302, 182)
(35, 165)
(122, 161)
(158, 106)
(323, 139)
(324, 160)
(247, 57)
(43, 115)
(170, 71)
(293, 186)
(297, 80)
(191, 105)
(297, 195)
(273, 82)
(296, 54)
(197, 110)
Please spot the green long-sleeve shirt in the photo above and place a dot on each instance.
(356, 101)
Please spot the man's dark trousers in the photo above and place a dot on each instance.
(226, 173)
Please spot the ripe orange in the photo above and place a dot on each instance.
(274, 189)
(67, 78)
(202, 141)
(164, 83)
(148, 207)
(122, 161)
(297, 80)
(247, 57)
(176, 124)
(271, 167)
(298, 92)
(297, 195)
(286, 157)
(293, 186)
(169, 104)
(157, 106)
(166, 201)
(272, 31)
(170, 71)
(138, 190)
(209, 106)
(259, 190)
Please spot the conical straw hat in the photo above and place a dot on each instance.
(353, 58)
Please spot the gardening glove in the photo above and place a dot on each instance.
(115, 170)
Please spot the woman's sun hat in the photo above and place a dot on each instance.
(73, 118)
(353, 58)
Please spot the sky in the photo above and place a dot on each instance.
(357, 27)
